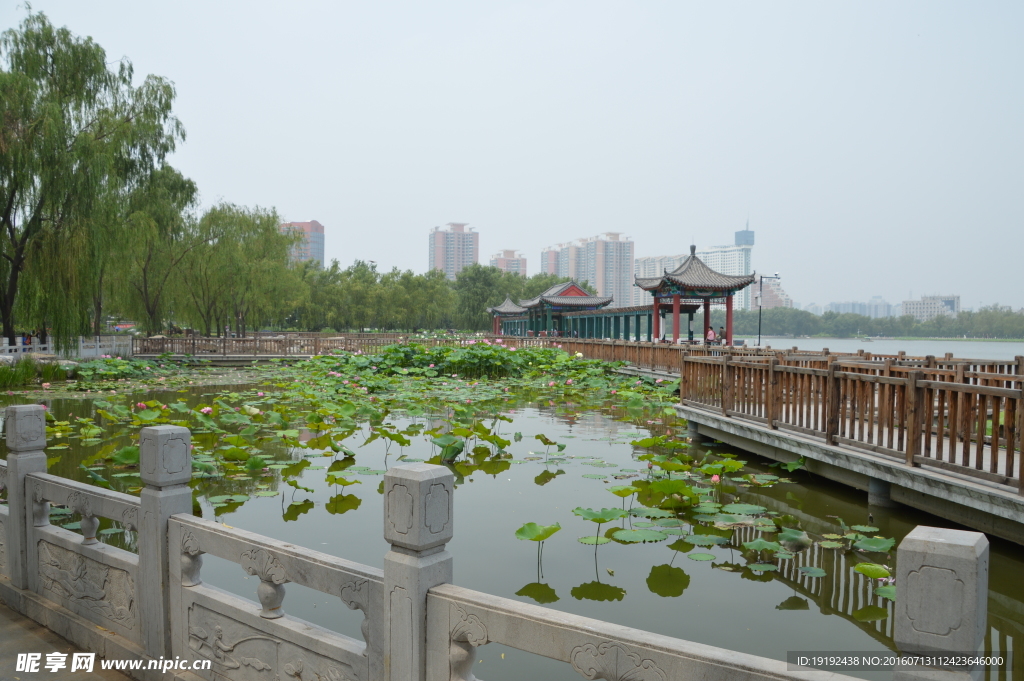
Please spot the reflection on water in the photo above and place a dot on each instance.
(697, 585)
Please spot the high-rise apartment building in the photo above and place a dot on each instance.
(733, 260)
(930, 307)
(771, 293)
(312, 245)
(509, 261)
(454, 248)
(549, 260)
(604, 261)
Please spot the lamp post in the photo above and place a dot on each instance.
(760, 297)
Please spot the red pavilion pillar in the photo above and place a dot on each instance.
(707, 318)
(656, 322)
(728, 320)
(675, 318)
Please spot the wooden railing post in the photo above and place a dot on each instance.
(773, 388)
(683, 379)
(834, 398)
(727, 385)
(915, 415)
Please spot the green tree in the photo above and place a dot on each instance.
(70, 130)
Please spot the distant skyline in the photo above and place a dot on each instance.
(875, 147)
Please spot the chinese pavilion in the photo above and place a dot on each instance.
(689, 283)
(546, 313)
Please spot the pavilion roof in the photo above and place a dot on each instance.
(566, 294)
(508, 307)
(692, 274)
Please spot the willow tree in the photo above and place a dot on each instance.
(71, 130)
(241, 275)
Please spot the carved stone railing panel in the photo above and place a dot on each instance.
(242, 646)
(98, 582)
(193, 603)
(460, 619)
(3, 540)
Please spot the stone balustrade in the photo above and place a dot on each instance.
(417, 625)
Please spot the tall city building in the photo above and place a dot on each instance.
(604, 261)
(930, 307)
(312, 245)
(771, 293)
(549, 260)
(509, 261)
(454, 248)
(733, 260)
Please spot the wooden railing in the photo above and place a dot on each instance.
(969, 422)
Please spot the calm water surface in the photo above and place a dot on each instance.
(765, 614)
(914, 348)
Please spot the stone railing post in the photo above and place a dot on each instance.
(26, 439)
(165, 465)
(417, 524)
(942, 603)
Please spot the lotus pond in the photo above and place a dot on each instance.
(576, 489)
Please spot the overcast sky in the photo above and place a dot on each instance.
(877, 148)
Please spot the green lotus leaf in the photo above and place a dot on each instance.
(296, 509)
(605, 515)
(864, 529)
(681, 545)
(831, 545)
(812, 571)
(651, 513)
(595, 476)
(760, 544)
(342, 503)
(733, 519)
(871, 613)
(875, 544)
(743, 509)
(872, 570)
(667, 581)
(623, 490)
(598, 591)
(784, 555)
(636, 536)
(794, 603)
(701, 556)
(535, 532)
(338, 480)
(267, 493)
(763, 567)
(539, 592)
(706, 539)
(595, 540)
(886, 592)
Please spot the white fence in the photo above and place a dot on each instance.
(88, 347)
(417, 625)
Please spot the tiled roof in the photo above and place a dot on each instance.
(692, 273)
(577, 300)
(508, 307)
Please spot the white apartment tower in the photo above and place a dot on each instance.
(733, 260)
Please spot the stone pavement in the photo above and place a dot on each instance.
(19, 634)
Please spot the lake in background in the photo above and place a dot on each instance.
(916, 348)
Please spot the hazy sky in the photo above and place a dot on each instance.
(875, 147)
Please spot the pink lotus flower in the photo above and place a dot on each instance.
(659, 380)
(614, 392)
(259, 394)
(46, 386)
(431, 366)
(715, 478)
(207, 410)
(551, 384)
(568, 382)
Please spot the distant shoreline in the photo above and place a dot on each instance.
(888, 338)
